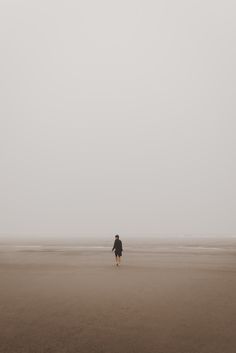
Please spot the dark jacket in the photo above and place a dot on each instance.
(117, 245)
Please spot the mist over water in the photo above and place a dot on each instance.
(117, 118)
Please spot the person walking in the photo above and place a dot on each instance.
(118, 249)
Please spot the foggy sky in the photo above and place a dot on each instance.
(117, 116)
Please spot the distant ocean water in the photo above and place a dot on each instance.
(150, 248)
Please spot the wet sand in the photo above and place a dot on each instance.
(169, 296)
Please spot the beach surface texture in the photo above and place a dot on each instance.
(170, 295)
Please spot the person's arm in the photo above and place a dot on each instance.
(121, 246)
(114, 246)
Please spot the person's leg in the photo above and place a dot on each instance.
(117, 260)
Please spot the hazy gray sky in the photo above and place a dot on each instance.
(117, 116)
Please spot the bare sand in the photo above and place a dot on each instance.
(169, 296)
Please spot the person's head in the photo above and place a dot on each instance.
(117, 236)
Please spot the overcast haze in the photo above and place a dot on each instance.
(117, 116)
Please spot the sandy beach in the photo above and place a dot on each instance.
(169, 296)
